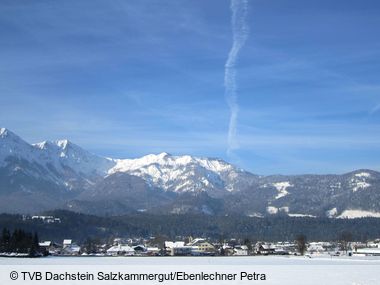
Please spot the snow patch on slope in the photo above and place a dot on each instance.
(337, 185)
(301, 215)
(359, 183)
(353, 214)
(284, 209)
(255, 215)
(272, 210)
(332, 213)
(363, 174)
(281, 188)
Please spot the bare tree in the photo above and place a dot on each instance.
(345, 238)
(301, 244)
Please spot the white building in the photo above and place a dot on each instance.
(177, 248)
(316, 247)
(47, 219)
(120, 250)
(70, 248)
(371, 251)
(201, 247)
(241, 250)
(152, 251)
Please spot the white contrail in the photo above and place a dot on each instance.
(239, 10)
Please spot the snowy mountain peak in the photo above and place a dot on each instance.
(180, 173)
(63, 143)
(56, 146)
(163, 155)
(40, 145)
(61, 160)
(9, 138)
(166, 160)
(78, 159)
(3, 132)
(43, 145)
(13, 145)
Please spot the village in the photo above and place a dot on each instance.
(204, 247)
(162, 245)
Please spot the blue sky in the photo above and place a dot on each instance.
(128, 78)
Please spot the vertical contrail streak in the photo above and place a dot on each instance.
(239, 10)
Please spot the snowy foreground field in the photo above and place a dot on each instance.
(244, 270)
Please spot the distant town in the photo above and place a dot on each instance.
(204, 247)
(22, 244)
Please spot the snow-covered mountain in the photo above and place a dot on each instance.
(63, 154)
(60, 174)
(13, 145)
(66, 163)
(183, 173)
(61, 162)
(349, 195)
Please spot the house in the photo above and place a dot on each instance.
(45, 244)
(47, 219)
(177, 248)
(139, 249)
(70, 248)
(225, 247)
(120, 249)
(153, 251)
(50, 247)
(240, 250)
(201, 247)
(226, 250)
(316, 247)
(171, 244)
(368, 251)
(279, 250)
(289, 247)
(264, 248)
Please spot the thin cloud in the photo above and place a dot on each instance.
(240, 30)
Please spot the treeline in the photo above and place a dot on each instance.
(19, 242)
(80, 227)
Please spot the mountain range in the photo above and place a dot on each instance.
(61, 175)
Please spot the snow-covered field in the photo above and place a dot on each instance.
(276, 269)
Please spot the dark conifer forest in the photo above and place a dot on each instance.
(19, 241)
(80, 227)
